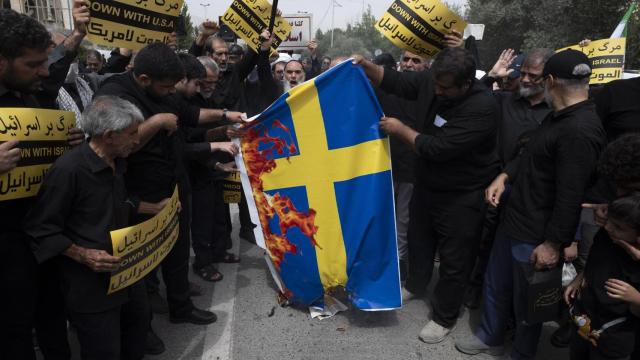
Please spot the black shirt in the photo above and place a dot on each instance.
(551, 175)
(457, 142)
(618, 105)
(609, 261)
(403, 158)
(518, 117)
(153, 171)
(81, 200)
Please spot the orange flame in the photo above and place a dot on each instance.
(258, 164)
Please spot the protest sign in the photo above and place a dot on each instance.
(301, 32)
(607, 59)
(232, 188)
(132, 24)
(43, 137)
(142, 247)
(248, 18)
(419, 26)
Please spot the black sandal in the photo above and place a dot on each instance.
(209, 273)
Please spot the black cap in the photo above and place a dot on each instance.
(562, 64)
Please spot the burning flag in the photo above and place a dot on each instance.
(317, 174)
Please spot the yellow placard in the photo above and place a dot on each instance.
(419, 26)
(232, 192)
(43, 137)
(248, 18)
(132, 24)
(142, 247)
(607, 59)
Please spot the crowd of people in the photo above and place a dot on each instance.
(523, 170)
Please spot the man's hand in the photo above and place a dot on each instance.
(584, 43)
(232, 132)
(168, 121)
(228, 147)
(545, 256)
(81, 17)
(619, 289)
(501, 67)
(391, 126)
(9, 156)
(633, 251)
(172, 41)
(313, 47)
(226, 167)
(236, 117)
(96, 260)
(75, 137)
(206, 29)
(266, 40)
(152, 208)
(573, 290)
(494, 192)
(600, 213)
(453, 39)
(571, 252)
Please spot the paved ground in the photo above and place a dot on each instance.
(252, 326)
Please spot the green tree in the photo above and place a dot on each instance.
(525, 24)
(185, 41)
(360, 37)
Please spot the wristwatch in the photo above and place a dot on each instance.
(224, 114)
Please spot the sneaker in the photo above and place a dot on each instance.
(153, 345)
(472, 345)
(158, 304)
(433, 333)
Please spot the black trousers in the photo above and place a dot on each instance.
(117, 333)
(489, 228)
(210, 225)
(18, 276)
(450, 222)
(245, 218)
(51, 314)
(580, 349)
(175, 267)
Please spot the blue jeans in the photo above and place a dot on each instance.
(504, 294)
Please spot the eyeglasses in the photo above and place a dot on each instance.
(414, 60)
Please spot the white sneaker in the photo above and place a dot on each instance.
(433, 333)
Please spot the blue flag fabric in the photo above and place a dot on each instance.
(321, 191)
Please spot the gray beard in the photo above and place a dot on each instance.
(532, 91)
(287, 86)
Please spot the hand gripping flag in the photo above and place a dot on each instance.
(316, 172)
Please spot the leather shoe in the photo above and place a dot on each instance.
(195, 316)
(248, 235)
(153, 345)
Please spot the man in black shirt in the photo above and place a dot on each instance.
(549, 181)
(24, 83)
(82, 199)
(618, 107)
(156, 166)
(521, 112)
(455, 143)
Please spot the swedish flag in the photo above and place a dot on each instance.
(320, 173)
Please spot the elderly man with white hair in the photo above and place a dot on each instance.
(82, 199)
